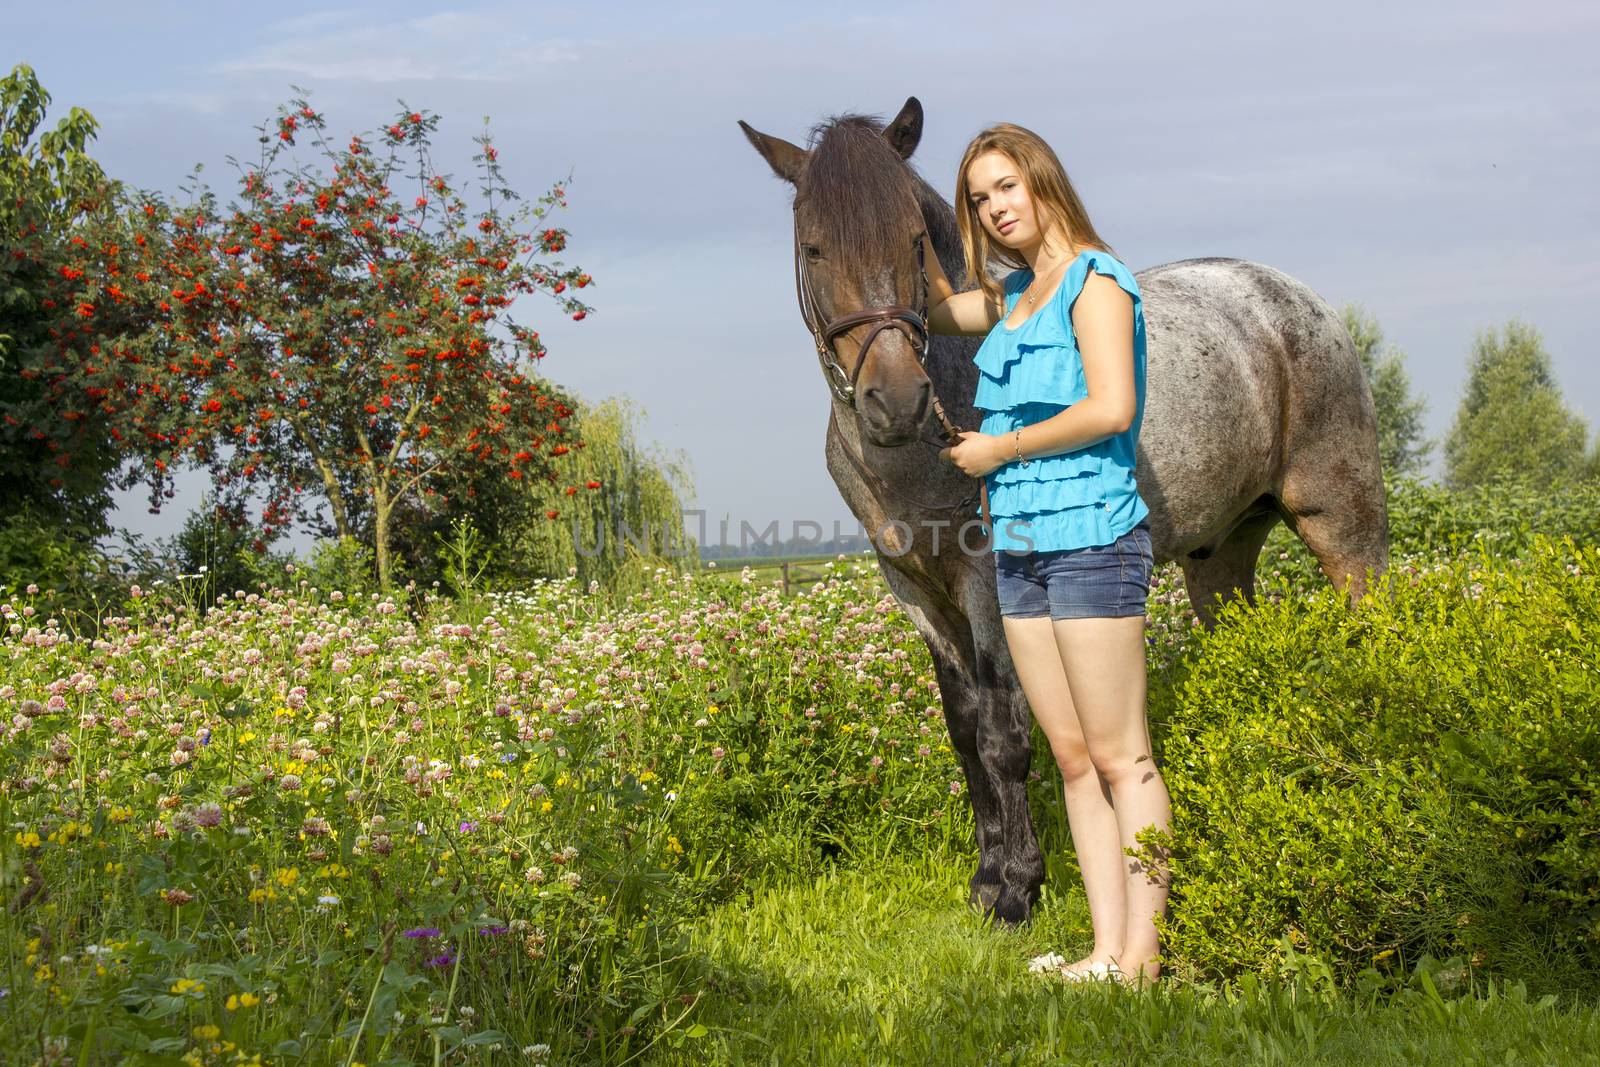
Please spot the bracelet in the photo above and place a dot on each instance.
(1018, 443)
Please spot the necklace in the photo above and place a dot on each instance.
(1033, 293)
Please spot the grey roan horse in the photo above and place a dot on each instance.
(1256, 410)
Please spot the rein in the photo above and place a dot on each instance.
(912, 323)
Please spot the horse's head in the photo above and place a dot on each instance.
(858, 263)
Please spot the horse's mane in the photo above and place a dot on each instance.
(858, 180)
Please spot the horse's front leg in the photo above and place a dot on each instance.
(1005, 749)
(1004, 743)
(949, 639)
(962, 715)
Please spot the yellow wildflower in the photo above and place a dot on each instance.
(28, 839)
(241, 1000)
(184, 986)
(672, 844)
(545, 806)
(120, 814)
(207, 1032)
(287, 876)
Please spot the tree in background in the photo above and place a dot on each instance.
(1513, 421)
(619, 487)
(344, 333)
(53, 472)
(1401, 445)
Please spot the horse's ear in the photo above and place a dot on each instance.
(905, 132)
(785, 159)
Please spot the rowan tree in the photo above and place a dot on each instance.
(341, 332)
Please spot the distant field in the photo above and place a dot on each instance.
(804, 571)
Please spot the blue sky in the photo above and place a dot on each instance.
(1438, 162)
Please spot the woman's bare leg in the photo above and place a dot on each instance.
(1104, 664)
(1096, 837)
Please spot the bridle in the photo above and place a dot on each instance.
(912, 323)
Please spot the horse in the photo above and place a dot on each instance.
(1257, 410)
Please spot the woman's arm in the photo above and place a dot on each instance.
(1102, 320)
(971, 313)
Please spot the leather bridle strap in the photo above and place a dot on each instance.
(912, 323)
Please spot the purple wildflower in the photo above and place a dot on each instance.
(468, 826)
(444, 959)
(493, 931)
(422, 931)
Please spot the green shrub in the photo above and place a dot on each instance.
(1504, 516)
(59, 558)
(340, 563)
(1417, 776)
(221, 552)
(1427, 519)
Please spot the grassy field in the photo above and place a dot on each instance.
(709, 825)
(882, 964)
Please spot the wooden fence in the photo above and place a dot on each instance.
(801, 572)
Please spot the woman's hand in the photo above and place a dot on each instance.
(977, 453)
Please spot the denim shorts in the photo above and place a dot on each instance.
(1103, 581)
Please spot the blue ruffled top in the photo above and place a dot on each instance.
(1071, 499)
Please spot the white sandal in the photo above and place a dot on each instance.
(1050, 961)
(1095, 972)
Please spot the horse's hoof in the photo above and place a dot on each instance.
(1011, 908)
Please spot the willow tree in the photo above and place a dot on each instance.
(623, 515)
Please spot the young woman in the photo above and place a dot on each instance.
(1062, 382)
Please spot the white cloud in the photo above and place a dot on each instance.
(356, 46)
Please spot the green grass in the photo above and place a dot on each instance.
(885, 965)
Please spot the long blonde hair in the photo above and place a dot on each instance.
(1048, 187)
